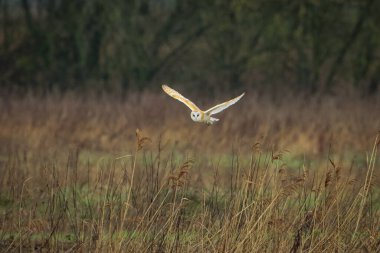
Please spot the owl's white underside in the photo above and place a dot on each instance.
(202, 117)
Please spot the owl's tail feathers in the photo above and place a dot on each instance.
(213, 120)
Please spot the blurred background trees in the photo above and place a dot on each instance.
(308, 45)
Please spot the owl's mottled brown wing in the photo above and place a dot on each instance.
(178, 96)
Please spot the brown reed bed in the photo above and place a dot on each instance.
(300, 124)
(76, 176)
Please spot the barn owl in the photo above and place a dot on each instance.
(197, 114)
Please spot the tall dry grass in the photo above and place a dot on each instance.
(76, 176)
(302, 125)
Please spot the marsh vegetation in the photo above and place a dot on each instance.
(272, 176)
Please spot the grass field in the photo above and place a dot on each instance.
(108, 173)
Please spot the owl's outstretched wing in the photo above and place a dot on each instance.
(218, 108)
(178, 96)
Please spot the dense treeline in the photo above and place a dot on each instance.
(312, 45)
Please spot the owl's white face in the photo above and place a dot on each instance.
(195, 116)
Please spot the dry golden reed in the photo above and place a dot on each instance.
(279, 176)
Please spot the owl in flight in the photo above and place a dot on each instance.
(197, 114)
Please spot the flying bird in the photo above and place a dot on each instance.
(197, 114)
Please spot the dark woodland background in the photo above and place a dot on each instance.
(303, 45)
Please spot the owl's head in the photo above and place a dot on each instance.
(195, 116)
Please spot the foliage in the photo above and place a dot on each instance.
(309, 45)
